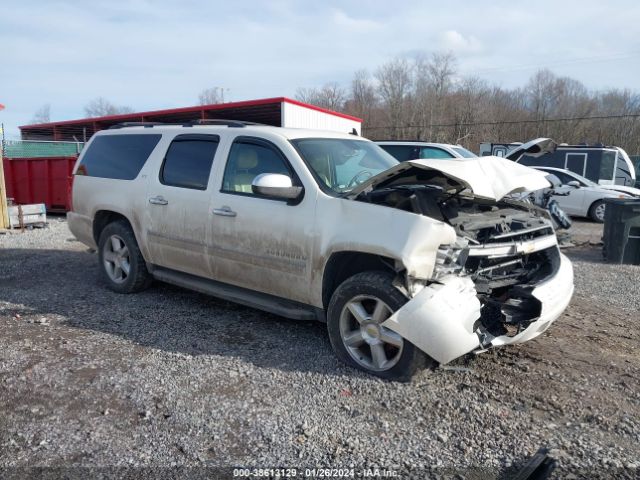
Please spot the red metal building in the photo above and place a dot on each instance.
(280, 111)
(47, 179)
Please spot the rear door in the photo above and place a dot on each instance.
(178, 200)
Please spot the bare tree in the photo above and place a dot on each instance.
(542, 91)
(395, 86)
(441, 70)
(466, 106)
(434, 80)
(42, 114)
(307, 95)
(425, 99)
(100, 107)
(331, 96)
(363, 100)
(211, 96)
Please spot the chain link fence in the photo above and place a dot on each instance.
(40, 149)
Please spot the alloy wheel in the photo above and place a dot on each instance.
(369, 344)
(115, 256)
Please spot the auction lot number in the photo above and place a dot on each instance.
(294, 472)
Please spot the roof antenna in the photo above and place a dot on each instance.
(353, 132)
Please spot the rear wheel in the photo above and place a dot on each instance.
(596, 212)
(121, 262)
(356, 312)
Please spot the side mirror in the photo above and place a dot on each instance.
(275, 185)
(574, 183)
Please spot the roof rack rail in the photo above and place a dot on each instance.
(190, 123)
(135, 124)
(220, 121)
(403, 141)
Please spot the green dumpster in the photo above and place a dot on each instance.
(622, 231)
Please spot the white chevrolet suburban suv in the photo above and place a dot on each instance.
(409, 264)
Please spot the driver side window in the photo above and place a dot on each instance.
(246, 161)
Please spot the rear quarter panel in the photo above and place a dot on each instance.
(126, 197)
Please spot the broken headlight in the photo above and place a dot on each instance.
(450, 259)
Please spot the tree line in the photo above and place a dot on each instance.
(425, 98)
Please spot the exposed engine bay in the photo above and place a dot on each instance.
(505, 247)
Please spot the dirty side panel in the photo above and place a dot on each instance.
(346, 225)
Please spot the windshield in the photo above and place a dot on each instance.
(341, 164)
(464, 152)
(583, 180)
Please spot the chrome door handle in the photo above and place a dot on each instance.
(159, 200)
(224, 212)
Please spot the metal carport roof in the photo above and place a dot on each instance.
(266, 110)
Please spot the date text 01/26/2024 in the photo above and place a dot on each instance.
(313, 473)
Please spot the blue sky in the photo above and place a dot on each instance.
(160, 54)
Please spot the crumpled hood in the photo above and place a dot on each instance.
(487, 177)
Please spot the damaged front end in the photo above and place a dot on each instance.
(507, 250)
(503, 281)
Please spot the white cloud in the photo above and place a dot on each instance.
(341, 19)
(456, 42)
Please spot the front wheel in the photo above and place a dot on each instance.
(356, 312)
(596, 212)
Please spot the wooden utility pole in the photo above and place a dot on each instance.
(4, 211)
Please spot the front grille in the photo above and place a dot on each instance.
(505, 287)
(491, 273)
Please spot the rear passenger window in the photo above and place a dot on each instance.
(120, 157)
(188, 161)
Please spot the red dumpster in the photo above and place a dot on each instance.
(40, 180)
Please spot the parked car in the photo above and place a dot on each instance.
(411, 150)
(409, 263)
(403, 150)
(605, 165)
(583, 198)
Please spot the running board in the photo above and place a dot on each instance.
(262, 301)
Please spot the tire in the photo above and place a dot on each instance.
(114, 262)
(354, 341)
(596, 211)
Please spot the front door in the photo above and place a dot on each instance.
(261, 243)
(178, 204)
(573, 202)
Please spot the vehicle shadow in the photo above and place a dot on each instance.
(67, 283)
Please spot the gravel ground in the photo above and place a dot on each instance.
(170, 377)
